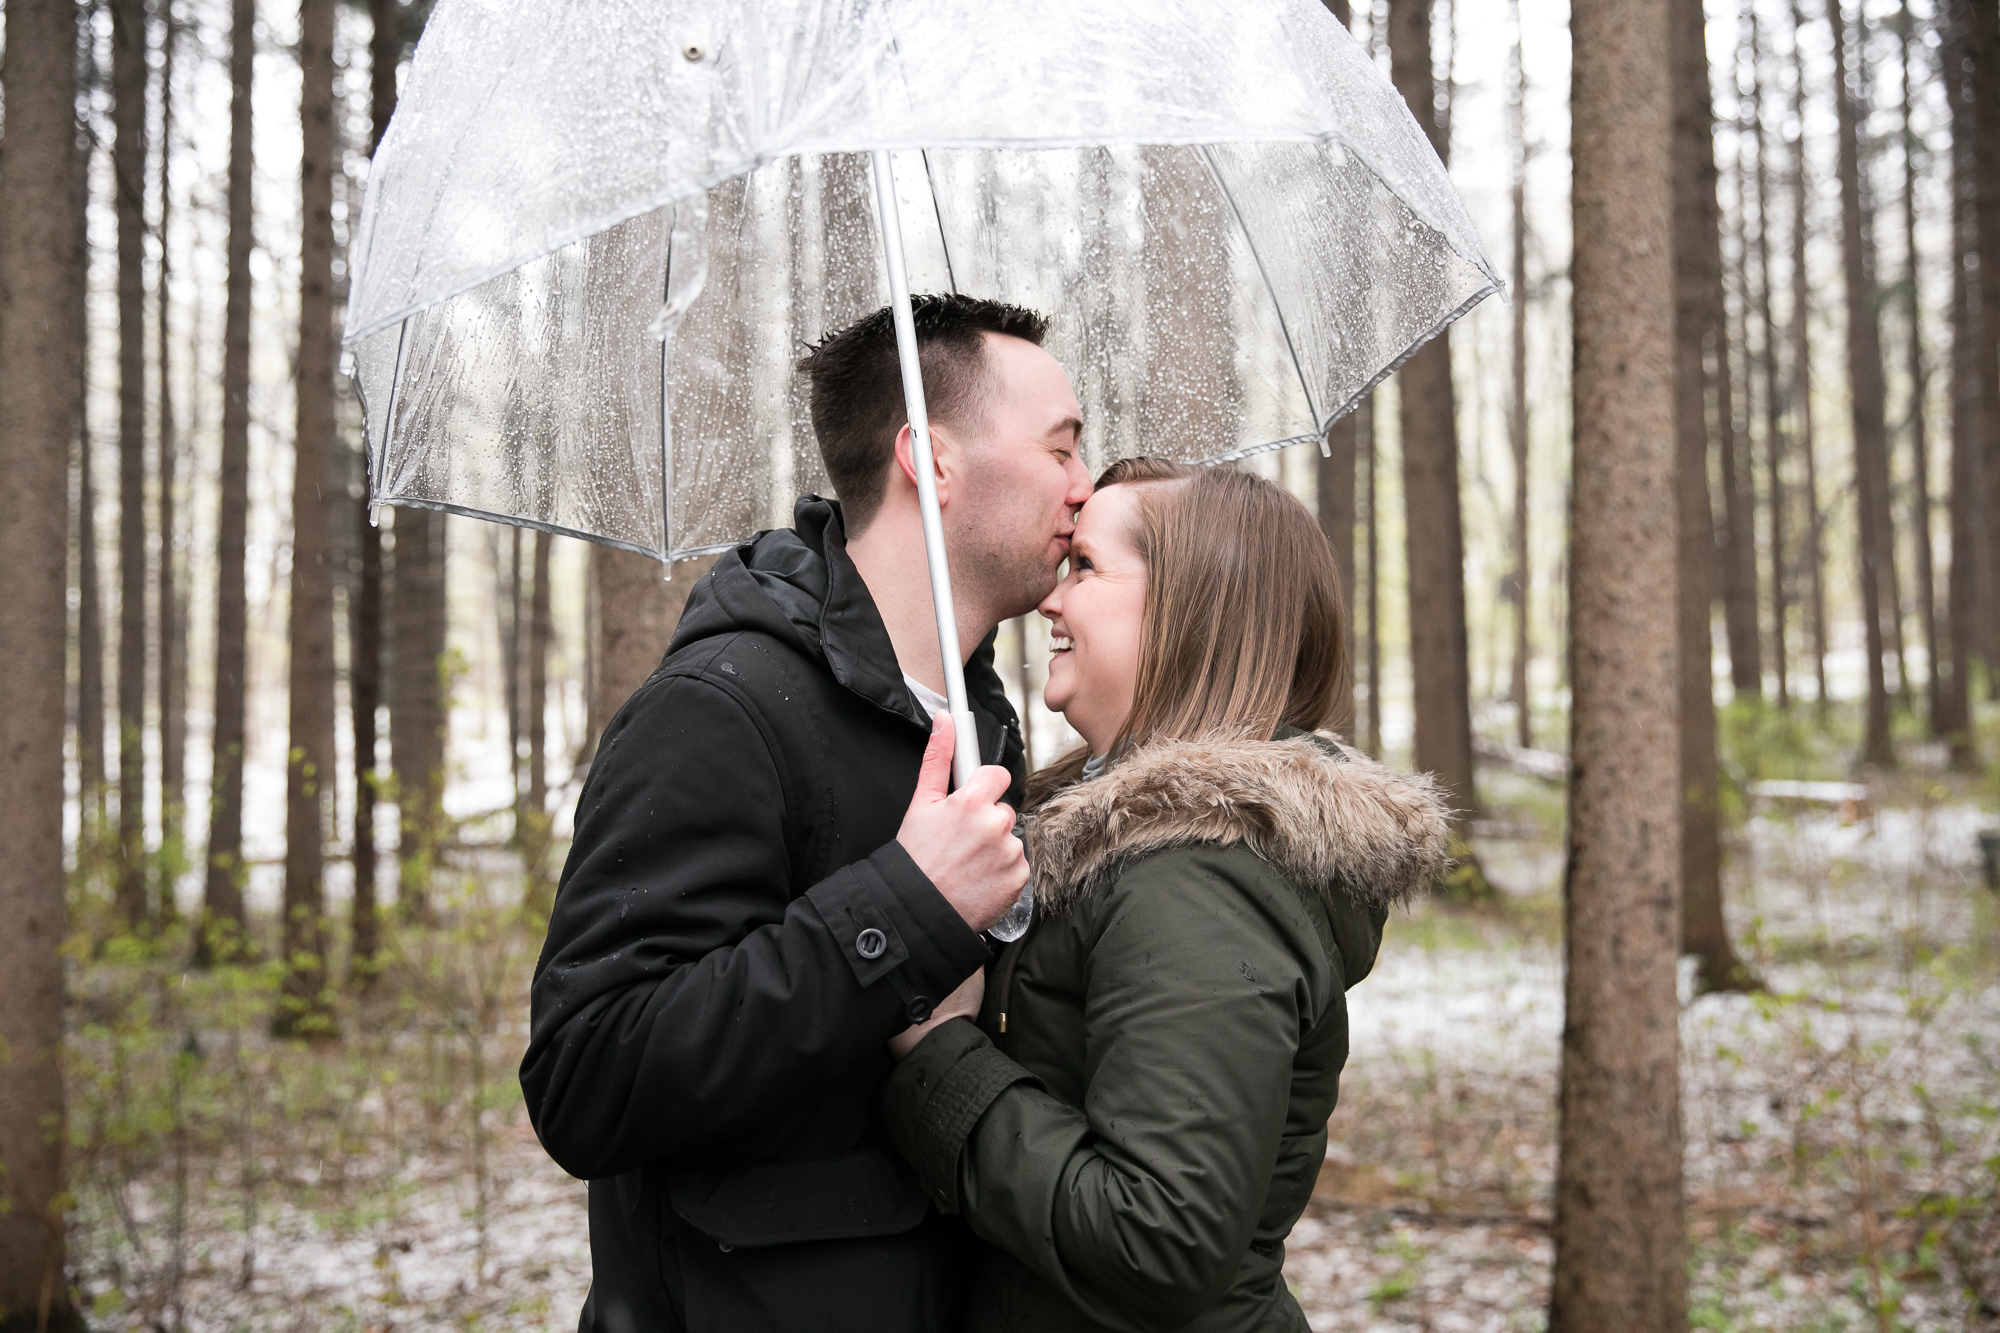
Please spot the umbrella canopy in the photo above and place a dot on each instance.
(1233, 222)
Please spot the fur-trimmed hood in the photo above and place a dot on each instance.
(1326, 816)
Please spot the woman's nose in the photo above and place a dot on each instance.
(1051, 606)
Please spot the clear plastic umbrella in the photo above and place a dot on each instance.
(598, 234)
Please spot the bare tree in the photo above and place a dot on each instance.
(223, 924)
(1801, 379)
(541, 631)
(417, 720)
(1920, 462)
(128, 156)
(1984, 50)
(304, 1008)
(90, 594)
(1775, 450)
(1620, 1233)
(1371, 597)
(1696, 272)
(170, 614)
(38, 259)
(1435, 555)
(1521, 578)
(364, 602)
(1864, 371)
(1952, 711)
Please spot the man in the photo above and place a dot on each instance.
(759, 896)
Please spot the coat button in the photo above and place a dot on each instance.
(920, 1008)
(870, 943)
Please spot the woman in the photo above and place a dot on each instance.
(1139, 1114)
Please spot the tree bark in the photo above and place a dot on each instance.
(417, 720)
(38, 396)
(1985, 50)
(1704, 933)
(1517, 415)
(1952, 716)
(1864, 371)
(1920, 462)
(1364, 430)
(512, 627)
(90, 595)
(305, 1008)
(1620, 1247)
(541, 629)
(1801, 379)
(1336, 520)
(1435, 538)
(364, 607)
(171, 611)
(637, 610)
(1775, 450)
(128, 156)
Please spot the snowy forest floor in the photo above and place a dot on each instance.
(1842, 1128)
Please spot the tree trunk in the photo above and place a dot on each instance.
(1336, 520)
(171, 613)
(1620, 1233)
(417, 721)
(1364, 430)
(1953, 712)
(128, 156)
(304, 1009)
(1801, 381)
(364, 607)
(38, 396)
(1775, 449)
(1435, 539)
(637, 610)
(1704, 933)
(541, 629)
(1920, 463)
(1517, 415)
(512, 629)
(1985, 44)
(90, 595)
(1864, 371)
(223, 931)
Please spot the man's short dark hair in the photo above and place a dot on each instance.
(857, 386)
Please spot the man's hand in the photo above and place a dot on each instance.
(961, 1003)
(964, 842)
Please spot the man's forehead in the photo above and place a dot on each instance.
(1033, 381)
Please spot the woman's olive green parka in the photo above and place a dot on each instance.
(1140, 1114)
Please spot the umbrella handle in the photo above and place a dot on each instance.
(965, 759)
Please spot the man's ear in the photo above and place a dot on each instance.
(942, 455)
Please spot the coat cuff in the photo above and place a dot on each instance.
(891, 922)
(932, 1100)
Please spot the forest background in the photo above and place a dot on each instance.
(292, 987)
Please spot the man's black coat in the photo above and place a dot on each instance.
(736, 938)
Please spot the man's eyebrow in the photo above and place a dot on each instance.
(1075, 425)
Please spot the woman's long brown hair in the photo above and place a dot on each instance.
(1243, 628)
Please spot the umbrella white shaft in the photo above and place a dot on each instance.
(965, 760)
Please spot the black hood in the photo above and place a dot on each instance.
(798, 583)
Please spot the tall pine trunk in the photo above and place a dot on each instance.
(1984, 32)
(1435, 538)
(90, 594)
(1801, 379)
(1864, 372)
(1920, 462)
(1953, 713)
(1336, 504)
(128, 157)
(1620, 1233)
(417, 721)
(1775, 450)
(224, 928)
(1696, 277)
(38, 393)
(304, 1008)
(170, 613)
(541, 630)
(364, 605)
(1521, 579)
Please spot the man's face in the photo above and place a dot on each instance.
(1020, 479)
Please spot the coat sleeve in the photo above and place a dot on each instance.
(1140, 1205)
(685, 994)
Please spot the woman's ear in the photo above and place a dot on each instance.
(943, 456)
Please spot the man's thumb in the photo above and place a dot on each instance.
(934, 778)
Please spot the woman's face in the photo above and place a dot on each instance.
(1095, 620)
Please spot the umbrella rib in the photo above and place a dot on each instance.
(1278, 306)
(937, 211)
